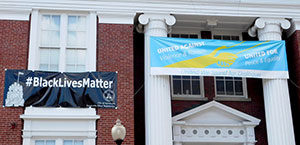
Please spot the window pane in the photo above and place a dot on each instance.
(195, 77)
(81, 23)
(81, 56)
(81, 38)
(184, 36)
(44, 56)
(71, 56)
(220, 88)
(72, 21)
(53, 67)
(56, 22)
(176, 87)
(72, 38)
(75, 60)
(237, 78)
(186, 87)
(78, 142)
(186, 77)
(54, 56)
(217, 37)
(238, 88)
(39, 142)
(50, 142)
(220, 78)
(46, 22)
(175, 35)
(229, 88)
(80, 68)
(76, 31)
(176, 77)
(193, 36)
(50, 35)
(49, 59)
(68, 142)
(228, 78)
(70, 68)
(196, 87)
(235, 38)
(43, 66)
(226, 37)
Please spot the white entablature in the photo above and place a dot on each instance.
(214, 122)
(125, 10)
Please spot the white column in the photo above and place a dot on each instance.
(33, 42)
(276, 94)
(157, 88)
(26, 140)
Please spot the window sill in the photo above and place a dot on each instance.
(241, 99)
(186, 98)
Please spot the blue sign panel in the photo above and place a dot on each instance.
(256, 59)
(53, 89)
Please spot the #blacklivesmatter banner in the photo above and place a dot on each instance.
(204, 57)
(53, 89)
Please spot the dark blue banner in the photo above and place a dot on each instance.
(54, 89)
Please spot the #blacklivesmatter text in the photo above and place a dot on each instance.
(64, 82)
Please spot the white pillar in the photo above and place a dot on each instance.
(276, 94)
(157, 88)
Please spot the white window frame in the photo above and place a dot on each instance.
(187, 96)
(59, 140)
(41, 123)
(225, 97)
(35, 33)
(232, 97)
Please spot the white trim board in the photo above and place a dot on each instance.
(8, 14)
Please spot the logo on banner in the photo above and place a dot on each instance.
(109, 95)
(15, 94)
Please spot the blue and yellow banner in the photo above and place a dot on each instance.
(204, 57)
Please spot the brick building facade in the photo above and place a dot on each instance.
(14, 55)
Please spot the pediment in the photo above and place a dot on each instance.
(214, 113)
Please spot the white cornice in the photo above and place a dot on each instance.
(15, 14)
(116, 17)
(242, 8)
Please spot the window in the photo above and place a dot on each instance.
(230, 88)
(45, 142)
(58, 141)
(73, 42)
(187, 87)
(73, 142)
(195, 36)
(61, 41)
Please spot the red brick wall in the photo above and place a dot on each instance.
(115, 53)
(14, 42)
(293, 55)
